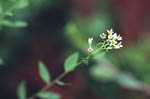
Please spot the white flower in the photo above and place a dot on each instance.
(119, 38)
(110, 41)
(115, 36)
(90, 49)
(118, 46)
(110, 31)
(103, 35)
(90, 41)
(113, 42)
(110, 36)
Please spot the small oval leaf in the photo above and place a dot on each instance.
(60, 83)
(43, 71)
(21, 91)
(71, 62)
(1, 61)
(48, 95)
(14, 24)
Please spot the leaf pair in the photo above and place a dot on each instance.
(43, 95)
(45, 75)
(69, 65)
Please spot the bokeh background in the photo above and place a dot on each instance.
(56, 28)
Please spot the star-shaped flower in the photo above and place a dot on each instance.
(103, 35)
(110, 31)
(110, 37)
(113, 42)
(119, 38)
(118, 46)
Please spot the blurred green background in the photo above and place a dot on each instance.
(50, 30)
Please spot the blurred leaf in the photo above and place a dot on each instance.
(75, 36)
(1, 61)
(62, 83)
(103, 72)
(135, 58)
(13, 0)
(85, 61)
(21, 91)
(9, 13)
(18, 24)
(128, 81)
(21, 4)
(43, 71)
(99, 55)
(71, 62)
(96, 23)
(1, 9)
(48, 95)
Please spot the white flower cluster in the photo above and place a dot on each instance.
(111, 41)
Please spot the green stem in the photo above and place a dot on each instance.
(98, 50)
(62, 75)
(48, 85)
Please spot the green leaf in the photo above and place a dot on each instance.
(1, 9)
(43, 71)
(103, 72)
(127, 80)
(18, 24)
(21, 4)
(48, 95)
(62, 83)
(1, 61)
(9, 13)
(21, 91)
(71, 62)
(99, 55)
